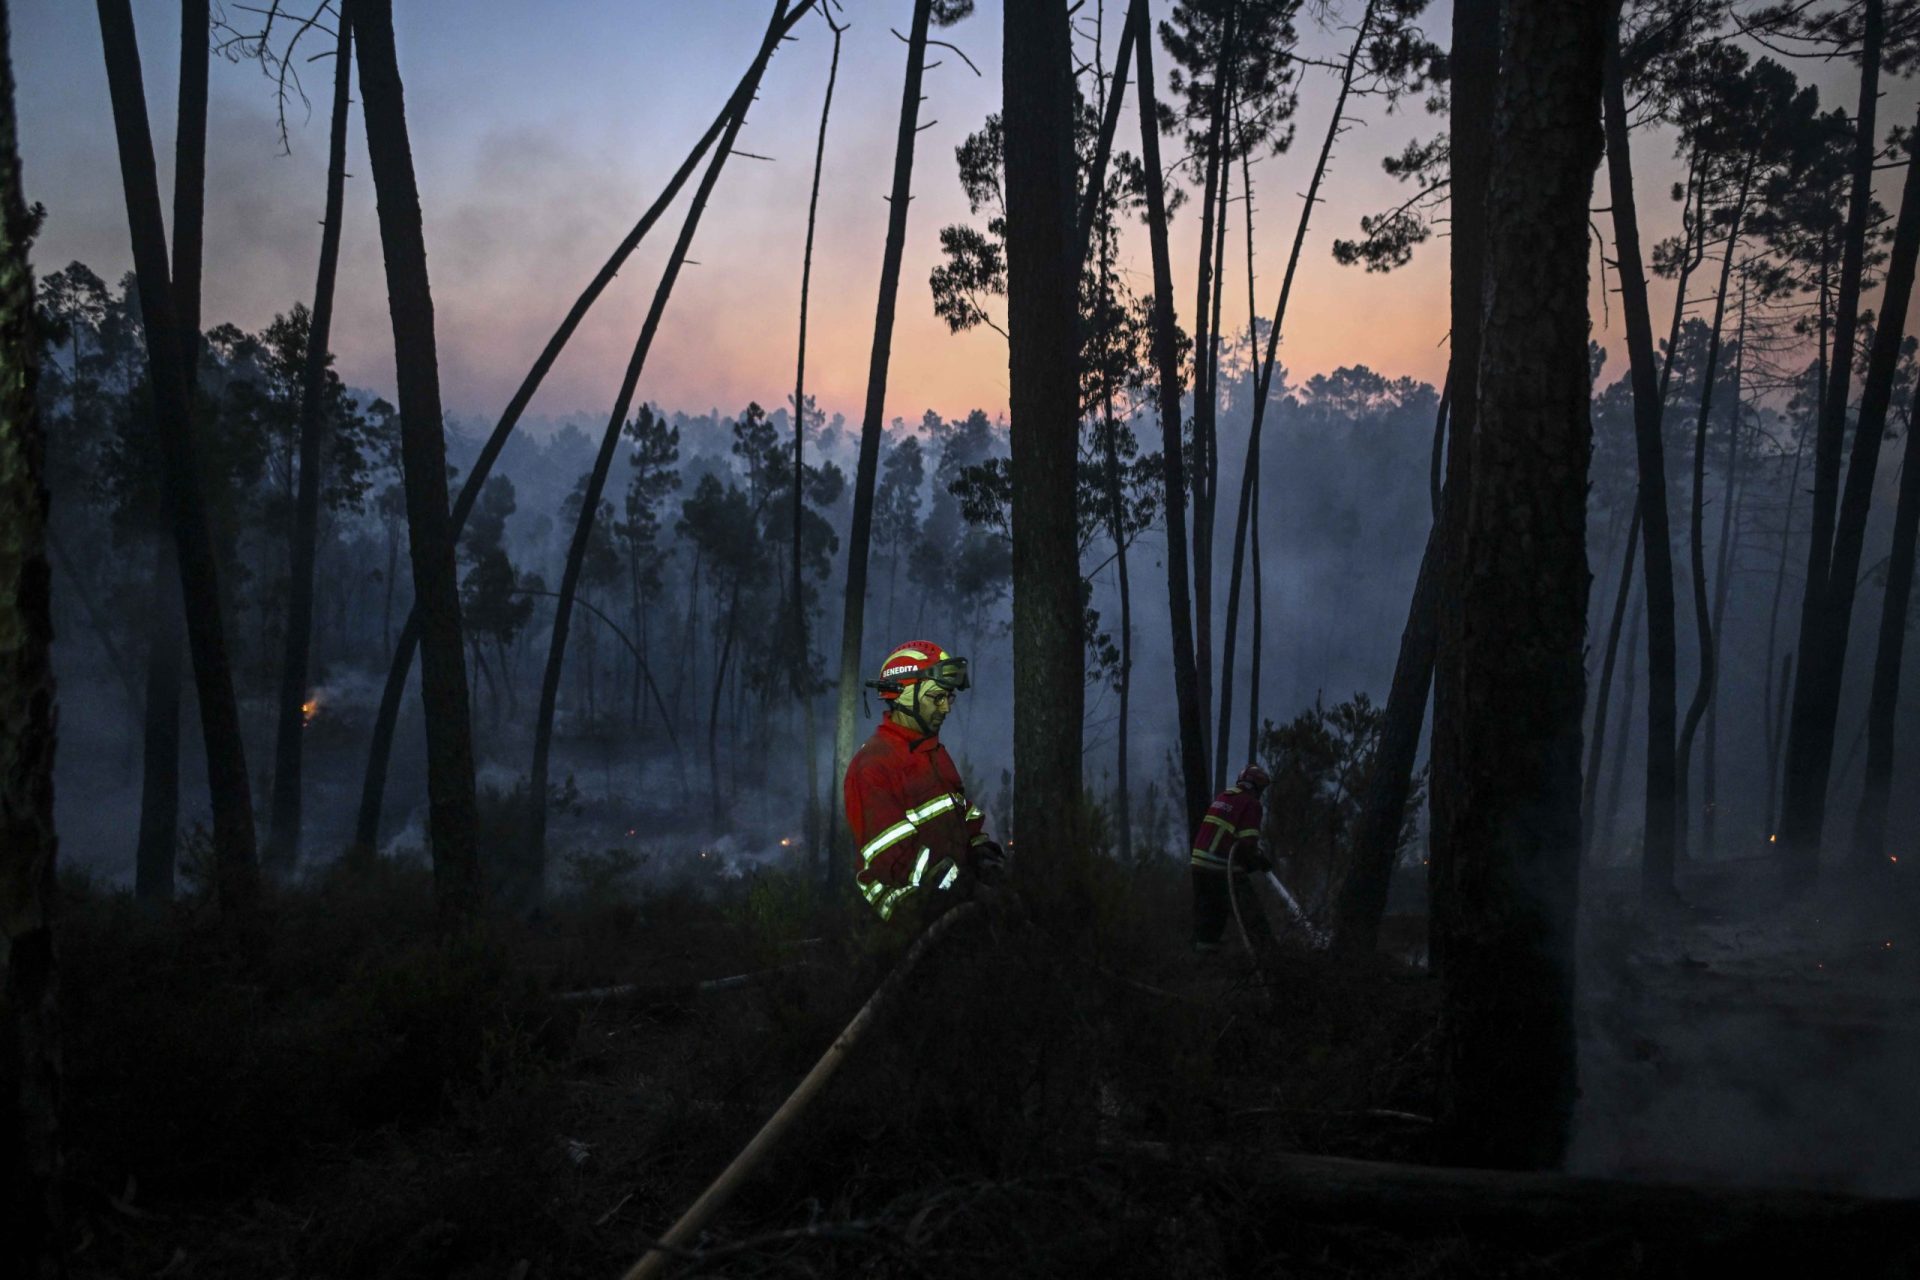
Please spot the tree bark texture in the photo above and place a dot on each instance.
(1166, 362)
(452, 820)
(373, 784)
(1657, 863)
(1816, 689)
(1043, 282)
(867, 469)
(1476, 72)
(1870, 824)
(237, 871)
(283, 828)
(1512, 832)
(30, 1165)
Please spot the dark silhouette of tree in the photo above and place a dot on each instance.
(283, 829)
(860, 535)
(1043, 282)
(236, 865)
(373, 784)
(1870, 823)
(1509, 838)
(1166, 360)
(603, 462)
(1816, 690)
(452, 818)
(801, 671)
(30, 1166)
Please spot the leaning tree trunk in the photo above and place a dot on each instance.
(1648, 409)
(29, 1030)
(597, 479)
(1816, 690)
(1166, 362)
(1697, 540)
(452, 820)
(236, 868)
(283, 829)
(803, 669)
(157, 846)
(1263, 383)
(872, 422)
(1512, 832)
(1870, 825)
(1476, 69)
(1618, 771)
(1851, 530)
(373, 784)
(1043, 282)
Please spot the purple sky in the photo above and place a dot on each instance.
(541, 130)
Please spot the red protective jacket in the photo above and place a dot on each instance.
(908, 811)
(1231, 828)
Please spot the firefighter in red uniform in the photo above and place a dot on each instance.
(1229, 837)
(915, 829)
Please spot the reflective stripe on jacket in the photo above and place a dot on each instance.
(1231, 829)
(908, 811)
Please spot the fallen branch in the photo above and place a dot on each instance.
(674, 1242)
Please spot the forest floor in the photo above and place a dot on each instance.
(1063, 1090)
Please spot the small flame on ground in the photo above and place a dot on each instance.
(309, 709)
(784, 842)
(1772, 839)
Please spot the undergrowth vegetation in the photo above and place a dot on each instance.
(1062, 1089)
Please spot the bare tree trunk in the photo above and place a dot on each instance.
(1816, 692)
(603, 461)
(237, 868)
(1206, 375)
(452, 818)
(1043, 280)
(1259, 627)
(1475, 62)
(1263, 383)
(1512, 832)
(1870, 825)
(1723, 587)
(802, 670)
(1851, 529)
(1648, 409)
(283, 830)
(1696, 539)
(1166, 360)
(872, 422)
(1601, 702)
(373, 785)
(30, 1164)
(1775, 725)
(1618, 771)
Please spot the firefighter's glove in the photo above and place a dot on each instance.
(1256, 863)
(990, 864)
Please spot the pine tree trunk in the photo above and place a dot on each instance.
(1166, 361)
(1723, 588)
(1476, 70)
(1263, 382)
(1870, 824)
(283, 830)
(1697, 542)
(1618, 772)
(1650, 447)
(236, 865)
(1512, 832)
(1816, 691)
(373, 784)
(452, 818)
(1043, 281)
(1851, 528)
(30, 1164)
(603, 462)
(1602, 701)
(873, 419)
(1775, 720)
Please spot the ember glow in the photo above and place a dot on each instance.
(309, 709)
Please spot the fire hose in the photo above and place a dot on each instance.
(715, 1197)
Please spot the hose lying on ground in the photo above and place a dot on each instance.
(716, 1196)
